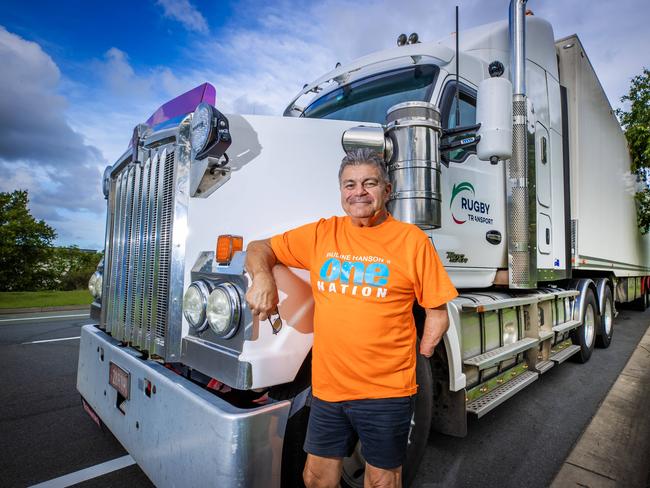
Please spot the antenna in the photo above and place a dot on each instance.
(457, 71)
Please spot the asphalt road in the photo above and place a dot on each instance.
(45, 434)
(44, 431)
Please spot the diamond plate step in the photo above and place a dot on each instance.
(543, 366)
(495, 356)
(564, 354)
(496, 397)
(571, 324)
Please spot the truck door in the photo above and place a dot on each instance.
(473, 211)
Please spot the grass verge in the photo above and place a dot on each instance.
(29, 299)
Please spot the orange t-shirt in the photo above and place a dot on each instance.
(364, 281)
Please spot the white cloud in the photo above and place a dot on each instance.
(39, 151)
(185, 13)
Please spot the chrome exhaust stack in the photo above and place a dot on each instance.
(414, 166)
(520, 266)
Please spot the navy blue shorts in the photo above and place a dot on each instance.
(382, 426)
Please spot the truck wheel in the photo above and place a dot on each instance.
(605, 330)
(584, 336)
(354, 466)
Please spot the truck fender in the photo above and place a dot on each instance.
(582, 285)
(451, 339)
(601, 284)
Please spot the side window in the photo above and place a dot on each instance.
(467, 105)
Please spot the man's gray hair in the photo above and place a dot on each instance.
(358, 157)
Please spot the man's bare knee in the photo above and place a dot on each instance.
(382, 478)
(322, 472)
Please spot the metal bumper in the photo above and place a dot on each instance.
(181, 435)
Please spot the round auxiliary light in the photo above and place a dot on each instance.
(92, 285)
(401, 39)
(202, 127)
(194, 304)
(509, 334)
(99, 282)
(223, 310)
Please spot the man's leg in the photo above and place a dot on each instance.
(329, 439)
(322, 472)
(383, 428)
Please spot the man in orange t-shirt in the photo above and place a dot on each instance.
(366, 270)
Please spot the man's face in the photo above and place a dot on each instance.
(363, 191)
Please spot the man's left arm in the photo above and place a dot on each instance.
(436, 324)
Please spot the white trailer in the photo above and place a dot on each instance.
(536, 226)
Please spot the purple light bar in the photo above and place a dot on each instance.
(183, 104)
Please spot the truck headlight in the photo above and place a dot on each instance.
(202, 127)
(223, 310)
(95, 285)
(194, 304)
(509, 334)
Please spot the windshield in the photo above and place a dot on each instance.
(368, 99)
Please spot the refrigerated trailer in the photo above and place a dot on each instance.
(505, 151)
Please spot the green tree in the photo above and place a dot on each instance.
(636, 124)
(72, 267)
(25, 245)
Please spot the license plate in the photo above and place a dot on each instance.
(119, 379)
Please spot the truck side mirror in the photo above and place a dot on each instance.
(494, 113)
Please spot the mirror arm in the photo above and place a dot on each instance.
(460, 130)
(467, 141)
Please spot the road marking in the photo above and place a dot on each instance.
(87, 473)
(51, 340)
(45, 318)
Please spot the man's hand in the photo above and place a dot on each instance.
(262, 296)
(435, 326)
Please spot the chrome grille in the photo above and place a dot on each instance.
(138, 250)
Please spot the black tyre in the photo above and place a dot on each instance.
(585, 335)
(605, 329)
(354, 466)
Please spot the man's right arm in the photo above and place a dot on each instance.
(262, 296)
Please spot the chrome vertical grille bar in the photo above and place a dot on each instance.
(109, 285)
(125, 256)
(132, 251)
(166, 223)
(116, 252)
(149, 251)
(138, 300)
(155, 262)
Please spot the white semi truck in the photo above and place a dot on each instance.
(532, 214)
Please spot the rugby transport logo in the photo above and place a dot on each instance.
(466, 207)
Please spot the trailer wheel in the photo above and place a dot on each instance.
(584, 336)
(605, 330)
(354, 466)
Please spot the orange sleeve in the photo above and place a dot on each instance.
(433, 287)
(295, 247)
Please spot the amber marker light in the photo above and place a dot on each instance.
(227, 246)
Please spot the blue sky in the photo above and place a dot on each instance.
(78, 75)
